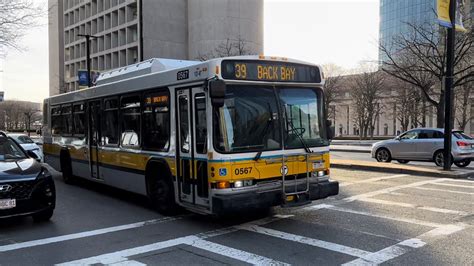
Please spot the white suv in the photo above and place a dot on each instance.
(425, 144)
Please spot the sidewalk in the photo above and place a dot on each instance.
(350, 148)
(397, 168)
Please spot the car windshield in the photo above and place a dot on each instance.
(9, 150)
(251, 119)
(23, 139)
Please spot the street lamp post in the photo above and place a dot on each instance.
(88, 57)
(448, 87)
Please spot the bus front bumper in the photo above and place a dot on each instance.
(228, 203)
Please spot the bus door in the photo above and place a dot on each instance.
(192, 145)
(94, 137)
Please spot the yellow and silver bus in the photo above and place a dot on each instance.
(214, 137)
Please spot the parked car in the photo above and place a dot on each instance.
(425, 144)
(26, 187)
(28, 144)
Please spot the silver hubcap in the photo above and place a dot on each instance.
(382, 155)
(439, 159)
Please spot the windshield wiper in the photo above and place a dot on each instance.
(264, 134)
(290, 123)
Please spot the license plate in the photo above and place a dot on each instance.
(317, 165)
(7, 204)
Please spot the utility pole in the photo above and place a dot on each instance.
(448, 86)
(88, 57)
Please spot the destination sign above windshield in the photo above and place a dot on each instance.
(270, 71)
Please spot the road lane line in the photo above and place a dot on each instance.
(405, 220)
(370, 180)
(453, 185)
(462, 181)
(307, 241)
(444, 190)
(122, 255)
(56, 239)
(234, 253)
(413, 206)
(128, 263)
(405, 246)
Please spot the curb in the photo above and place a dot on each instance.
(347, 150)
(462, 175)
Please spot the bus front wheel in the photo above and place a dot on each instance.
(161, 193)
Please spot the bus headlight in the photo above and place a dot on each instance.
(238, 184)
(321, 173)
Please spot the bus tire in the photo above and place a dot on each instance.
(160, 189)
(66, 167)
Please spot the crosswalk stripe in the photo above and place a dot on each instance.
(234, 253)
(444, 190)
(307, 241)
(413, 206)
(50, 240)
(370, 180)
(453, 185)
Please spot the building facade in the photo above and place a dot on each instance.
(129, 31)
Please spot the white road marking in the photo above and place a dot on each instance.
(56, 239)
(122, 255)
(413, 206)
(405, 246)
(444, 190)
(462, 181)
(128, 263)
(306, 240)
(234, 253)
(370, 180)
(453, 185)
(405, 220)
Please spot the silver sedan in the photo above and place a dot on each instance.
(425, 144)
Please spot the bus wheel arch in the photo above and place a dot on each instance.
(66, 166)
(160, 187)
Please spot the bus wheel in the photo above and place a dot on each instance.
(66, 168)
(161, 194)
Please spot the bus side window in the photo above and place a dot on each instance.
(110, 123)
(56, 121)
(79, 119)
(130, 116)
(156, 121)
(66, 113)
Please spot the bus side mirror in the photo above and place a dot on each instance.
(217, 92)
(329, 130)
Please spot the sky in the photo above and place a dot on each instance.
(340, 32)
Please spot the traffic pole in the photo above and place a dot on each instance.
(448, 86)
(88, 57)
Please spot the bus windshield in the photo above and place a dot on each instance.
(251, 119)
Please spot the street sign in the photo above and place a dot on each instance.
(83, 79)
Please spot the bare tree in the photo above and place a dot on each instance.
(461, 104)
(16, 16)
(419, 58)
(18, 115)
(332, 87)
(366, 94)
(229, 47)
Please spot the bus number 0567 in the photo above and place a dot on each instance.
(243, 171)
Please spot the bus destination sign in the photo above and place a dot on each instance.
(270, 71)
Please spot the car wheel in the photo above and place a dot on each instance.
(43, 216)
(463, 163)
(438, 158)
(403, 161)
(383, 155)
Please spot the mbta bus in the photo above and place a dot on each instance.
(214, 137)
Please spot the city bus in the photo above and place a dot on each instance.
(215, 137)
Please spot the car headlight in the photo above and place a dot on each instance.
(44, 174)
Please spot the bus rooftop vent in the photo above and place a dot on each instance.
(142, 68)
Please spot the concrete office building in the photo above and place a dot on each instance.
(129, 31)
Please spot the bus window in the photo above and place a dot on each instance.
(67, 119)
(56, 121)
(156, 121)
(201, 126)
(183, 123)
(79, 119)
(110, 122)
(130, 114)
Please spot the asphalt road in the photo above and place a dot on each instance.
(376, 218)
(367, 157)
